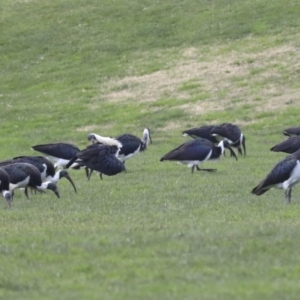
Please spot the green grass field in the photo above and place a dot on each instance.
(69, 68)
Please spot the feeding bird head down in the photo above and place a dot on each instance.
(8, 197)
(65, 174)
(49, 186)
(225, 144)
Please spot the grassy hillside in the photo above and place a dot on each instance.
(157, 232)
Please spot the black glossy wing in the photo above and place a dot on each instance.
(130, 143)
(197, 149)
(101, 158)
(4, 180)
(6, 162)
(107, 163)
(38, 162)
(280, 173)
(19, 171)
(292, 131)
(290, 145)
(60, 150)
(227, 130)
(202, 132)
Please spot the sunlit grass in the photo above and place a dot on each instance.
(157, 231)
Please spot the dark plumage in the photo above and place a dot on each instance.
(201, 132)
(60, 153)
(45, 167)
(131, 144)
(4, 186)
(290, 145)
(292, 131)
(24, 175)
(101, 158)
(197, 151)
(232, 134)
(284, 175)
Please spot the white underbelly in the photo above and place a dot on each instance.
(20, 184)
(123, 157)
(294, 178)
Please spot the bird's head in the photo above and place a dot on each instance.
(91, 137)
(146, 138)
(53, 187)
(225, 144)
(65, 174)
(8, 197)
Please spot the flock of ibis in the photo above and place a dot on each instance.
(107, 155)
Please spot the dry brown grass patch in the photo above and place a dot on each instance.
(224, 77)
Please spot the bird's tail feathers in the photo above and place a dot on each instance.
(70, 163)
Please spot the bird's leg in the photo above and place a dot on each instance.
(288, 193)
(26, 192)
(100, 174)
(207, 170)
(89, 176)
(193, 168)
(86, 172)
(240, 151)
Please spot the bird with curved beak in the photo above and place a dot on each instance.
(24, 175)
(59, 175)
(44, 165)
(232, 133)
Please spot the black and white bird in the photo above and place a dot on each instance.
(292, 131)
(290, 145)
(194, 152)
(201, 132)
(44, 165)
(131, 144)
(285, 175)
(59, 153)
(24, 175)
(100, 158)
(232, 133)
(4, 186)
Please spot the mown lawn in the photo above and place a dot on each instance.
(157, 231)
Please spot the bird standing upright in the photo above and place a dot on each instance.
(285, 175)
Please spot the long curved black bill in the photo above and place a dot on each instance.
(57, 194)
(71, 181)
(232, 153)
